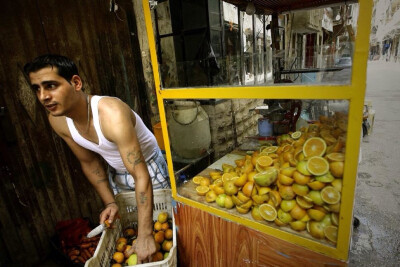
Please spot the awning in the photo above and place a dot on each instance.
(268, 7)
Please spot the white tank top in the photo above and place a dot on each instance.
(108, 150)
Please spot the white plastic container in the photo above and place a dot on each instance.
(129, 216)
(188, 128)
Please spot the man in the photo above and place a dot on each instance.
(105, 126)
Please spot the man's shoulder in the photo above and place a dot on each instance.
(59, 124)
(112, 106)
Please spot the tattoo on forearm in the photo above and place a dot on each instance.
(134, 157)
(102, 180)
(100, 174)
(143, 198)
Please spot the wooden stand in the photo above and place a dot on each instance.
(208, 240)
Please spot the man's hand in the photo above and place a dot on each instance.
(109, 213)
(145, 247)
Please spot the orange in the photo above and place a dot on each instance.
(330, 195)
(121, 239)
(337, 168)
(264, 161)
(301, 190)
(316, 229)
(302, 202)
(118, 257)
(129, 232)
(316, 185)
(240, 162)
(242, 210)
(159, 237)
(158, 256)
(315, 214)
(197, 179)
(285, 180)
(248, 188)
(331, 233)
(120, 246)
(205, 181)
(217, 182)
(337, 184)
(270, 149)
(298, 225)
(164, 226)
(268, 212)
(335, 156)
(168, 234)
(275, 197)
(300, 178)
(298, 212)
(289, 171)
(218, 190)
(287, 192)
(317, 165)
(167, 245)
(255, 213)
(296, 135)
(315, 146)
(202, 190)
(229, 177)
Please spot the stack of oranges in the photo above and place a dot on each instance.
(163, 236)
(296, 183)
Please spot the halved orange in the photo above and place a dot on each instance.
(264, 161)
(317, 166)
(202, 190)
(229, 177)
(331, 233)
(270, 149)
(268, 212)
(335, 156)
(314, 146)
(296, 135)
(197, 179)
(302, 202)
(275, 197)
(330, 195)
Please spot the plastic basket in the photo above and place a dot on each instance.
(129, 216)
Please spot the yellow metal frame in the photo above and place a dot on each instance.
(353, 92)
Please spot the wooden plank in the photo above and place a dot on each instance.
(207, 240)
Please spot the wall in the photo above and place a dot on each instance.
(41, 181)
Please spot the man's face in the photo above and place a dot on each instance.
(53, 91)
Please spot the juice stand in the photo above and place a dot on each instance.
(285, 196)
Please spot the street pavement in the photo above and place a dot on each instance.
(376, 242)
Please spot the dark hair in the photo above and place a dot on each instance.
(66, 68)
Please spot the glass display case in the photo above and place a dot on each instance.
(261, 113)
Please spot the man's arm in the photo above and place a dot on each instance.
(92, 167)
(117, 121)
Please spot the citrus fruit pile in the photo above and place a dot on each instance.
(296, 183)
(163, 236)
